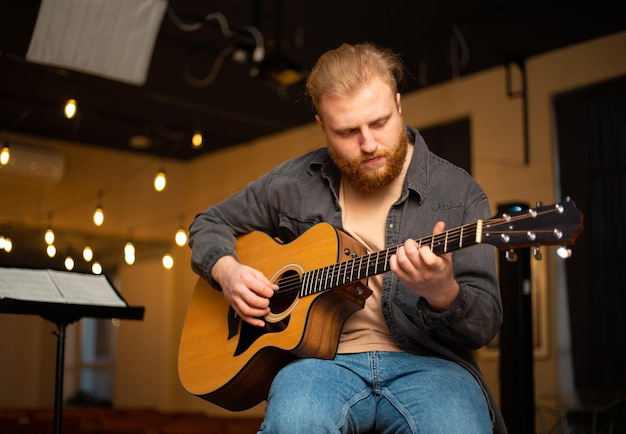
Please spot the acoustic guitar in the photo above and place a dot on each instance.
(321, 277)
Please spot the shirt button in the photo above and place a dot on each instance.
(390, 225)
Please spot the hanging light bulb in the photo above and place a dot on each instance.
(2, 241)
(160, 180)
(197, 139)
(96, 268)
(129, 253)
(8, 245)
(98, 214)
(51, 251)
(168, 261)
(70, 108)
(5, 154)
(69, 263)
(87, 253)
(181, 237)
(129, 249)
(49, 236)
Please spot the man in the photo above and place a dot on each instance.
(404, 362)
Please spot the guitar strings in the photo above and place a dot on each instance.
(335, 275)
(378, 261)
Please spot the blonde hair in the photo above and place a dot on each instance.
(343, 71)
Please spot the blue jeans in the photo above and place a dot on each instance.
(389, 392)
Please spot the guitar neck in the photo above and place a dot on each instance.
(362, 267)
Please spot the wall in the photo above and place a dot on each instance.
(146, 371)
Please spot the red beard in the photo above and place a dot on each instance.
(371, 180)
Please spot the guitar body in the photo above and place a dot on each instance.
(230, 363)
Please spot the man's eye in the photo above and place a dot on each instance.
(379, 124)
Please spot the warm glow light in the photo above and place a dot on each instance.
(69, 263)
(168, 261)
(129, 249)
(129, 259)
(129, 253)
(197, 139)
(98, 216)
(5, 155)
(7, 245)
(181, 237)
(96, 268)
(51, 251)
(88, 253)
(49, 237)
(159, 181)
(70, 108)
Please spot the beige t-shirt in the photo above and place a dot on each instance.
(364, 218)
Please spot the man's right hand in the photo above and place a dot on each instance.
(247, 290)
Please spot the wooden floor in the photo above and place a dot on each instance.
(77, 420)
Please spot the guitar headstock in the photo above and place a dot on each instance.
(557, 224)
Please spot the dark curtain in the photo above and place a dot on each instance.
(591, 130)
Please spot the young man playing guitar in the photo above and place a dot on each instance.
(404, 362)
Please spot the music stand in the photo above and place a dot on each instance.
(63, 314)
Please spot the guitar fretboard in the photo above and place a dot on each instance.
(361, 267)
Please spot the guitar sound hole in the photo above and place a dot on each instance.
(289, 287)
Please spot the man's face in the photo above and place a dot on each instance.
(366, 135)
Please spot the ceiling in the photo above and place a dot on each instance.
(188, 88)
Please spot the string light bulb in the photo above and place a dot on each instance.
(180, 237)
(168, 261)
(98, 214)
(129, 253)
(70, 108)
(160, 180)
(49, 237)
(5, 154)
(96, 268)
(197, 139)
(69, 263)
(6, 244)
(87, 253)
(51, 251)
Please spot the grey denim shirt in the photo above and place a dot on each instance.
(302, 192)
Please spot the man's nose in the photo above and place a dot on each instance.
(368, 142)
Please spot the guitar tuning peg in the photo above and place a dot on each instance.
(564, 252)
(510, 256)
(537, 253)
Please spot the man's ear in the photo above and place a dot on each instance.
(319, 121)
(398, 103)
